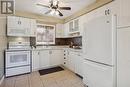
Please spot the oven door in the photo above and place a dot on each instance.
(17, 58)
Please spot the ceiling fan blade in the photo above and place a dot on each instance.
(65, 8)
(43, 5)
(60, 13)
(48, 12)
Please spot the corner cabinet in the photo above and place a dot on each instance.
(19, 26)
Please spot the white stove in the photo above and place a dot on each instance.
(18, 56)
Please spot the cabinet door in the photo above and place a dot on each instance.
(35, 60)
(124, 15)
(71, 61)
(79, 64)
(25, 25)
(14, 26)
(59, 31)
(17, 26)
(71, 26)
(66, 30)
(44, 59)
(76, 25)
(13, 22)
(33, 27)
(56, 57)
(123, 57)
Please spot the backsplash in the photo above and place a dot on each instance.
(77, 41)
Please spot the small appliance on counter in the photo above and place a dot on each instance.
(17, 60)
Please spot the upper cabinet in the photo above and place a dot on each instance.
(74, 27)
(33, 27)
(59, 30)
(19, 26)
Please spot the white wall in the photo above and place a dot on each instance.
(3, 42)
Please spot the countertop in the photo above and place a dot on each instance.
(57, 48)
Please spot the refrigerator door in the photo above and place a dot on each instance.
(97, 75)
(98, 39)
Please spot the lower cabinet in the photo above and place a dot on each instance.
(35, 60)
(56, 57)
(75, 62)
(79, 64)
(71, 61)
(42, 59)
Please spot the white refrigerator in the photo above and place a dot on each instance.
(99, 52)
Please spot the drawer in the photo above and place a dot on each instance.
(17, 71)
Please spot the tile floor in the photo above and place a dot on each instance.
(59, 79)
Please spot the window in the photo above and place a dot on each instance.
(45, 34)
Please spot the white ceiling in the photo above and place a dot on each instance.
(30, 6)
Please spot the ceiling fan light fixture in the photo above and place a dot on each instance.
(57, 13)
(52, 12)
(54, 8)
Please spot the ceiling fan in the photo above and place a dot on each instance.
(54, 7)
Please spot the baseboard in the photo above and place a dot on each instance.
(2, 79)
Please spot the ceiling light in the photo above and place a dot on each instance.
(52, 12)
(57, 13)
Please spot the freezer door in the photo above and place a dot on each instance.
(98, 39)
(97, 75)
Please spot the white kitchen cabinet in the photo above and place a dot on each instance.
(35, 60)
(33, 28)
(20, 26)
(66, 29)
(59, 30)
(15, 26)
(123, 57)
(13, 22)
(44, 59)
(56, 57)
(79, 64)
(71, 61)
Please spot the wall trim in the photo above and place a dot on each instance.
(2, 79)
